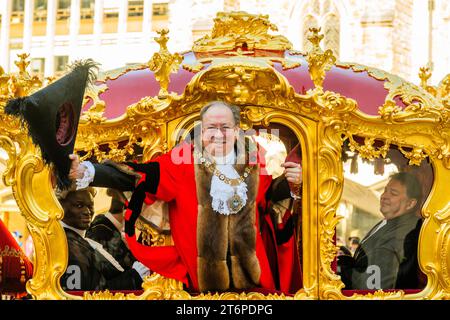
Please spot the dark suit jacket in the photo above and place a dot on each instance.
(409, 274)
(94, 271)
(105, 232)
(376, 261)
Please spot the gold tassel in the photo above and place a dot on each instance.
(354, 164)
(379, 166)
(22, 271)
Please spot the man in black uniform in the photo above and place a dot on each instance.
(90, 266)
(107, 229)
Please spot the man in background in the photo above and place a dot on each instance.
(90, 266)
(376, 261)
(108, 230)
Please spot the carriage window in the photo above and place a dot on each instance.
(380, 209)
(281, 145)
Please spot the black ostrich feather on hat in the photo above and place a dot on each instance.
(51, 116)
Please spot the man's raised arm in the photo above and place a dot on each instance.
(107, 175)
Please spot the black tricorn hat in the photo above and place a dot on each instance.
(52, 115)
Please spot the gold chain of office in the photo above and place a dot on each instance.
(211, 167)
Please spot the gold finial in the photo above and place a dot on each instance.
(23, 64)
(163, 63)
(315, 38)
(162, 39)
(18, 84)
(424, 75)
(319, 61)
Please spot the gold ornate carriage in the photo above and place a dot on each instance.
(329, 107)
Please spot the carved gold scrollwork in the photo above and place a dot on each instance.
(234, 30)
(330, 182)
(18, 85)
(434, 241)
(420, 105)
(415, 156)
(157, 287)
(286, 64)
(107, 295)
(443, 89)
(34, 195)
(242, 80)
(32, 190)
(368, 150)
(95, 113)
(7, 144)
(151, 236)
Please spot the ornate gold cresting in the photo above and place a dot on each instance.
(419, 104)
(21, 84)
(163, 63)
(318, 61)
(95, 113)
(234, 30)
(239, 34)
(157, 287)
(441, 91)
(286, 64)
(242, 79)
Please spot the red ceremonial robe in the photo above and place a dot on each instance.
(177, 186)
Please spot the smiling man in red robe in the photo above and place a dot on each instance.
(216, 229)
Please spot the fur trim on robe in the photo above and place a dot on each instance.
(227, 243)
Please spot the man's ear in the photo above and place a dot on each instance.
(411, 204)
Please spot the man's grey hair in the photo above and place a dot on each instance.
(235, 110)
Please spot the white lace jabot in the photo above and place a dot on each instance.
(220, 191)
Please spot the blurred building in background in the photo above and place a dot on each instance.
(395, 35)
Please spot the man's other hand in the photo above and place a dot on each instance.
(293, 172)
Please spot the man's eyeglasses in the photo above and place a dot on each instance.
(212, 130)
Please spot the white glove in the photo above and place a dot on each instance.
(141, 269)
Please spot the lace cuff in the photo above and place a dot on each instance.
(295, 197)
(88, 175)
(141, 269)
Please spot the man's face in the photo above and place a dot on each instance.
(218, 131)
(78, 209)
(394, 201)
